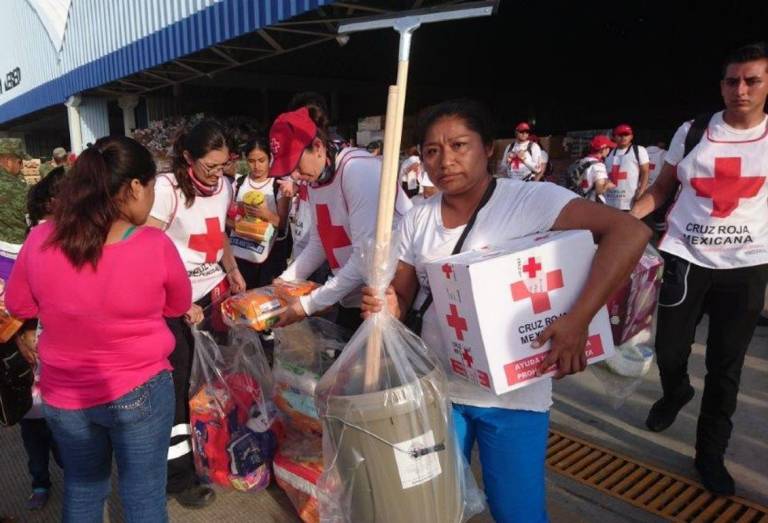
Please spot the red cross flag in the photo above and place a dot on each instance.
(494, 302)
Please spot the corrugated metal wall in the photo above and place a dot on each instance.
(109, 39)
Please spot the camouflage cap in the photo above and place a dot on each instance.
(14, 146)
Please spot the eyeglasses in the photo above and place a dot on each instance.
(215, 169)
(524, 132)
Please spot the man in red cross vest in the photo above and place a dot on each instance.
(716, 253)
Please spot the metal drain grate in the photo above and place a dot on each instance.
(668, 495)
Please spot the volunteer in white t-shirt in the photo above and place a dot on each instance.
(595, 182)
(191, 207)
(410, 172)
(343, 194)
(511, 429)
(522, 158)
(258, 261)
(627, 168)
(716, 254)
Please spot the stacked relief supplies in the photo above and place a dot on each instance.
(303, 353)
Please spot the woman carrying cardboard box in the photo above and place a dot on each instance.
(456, 141)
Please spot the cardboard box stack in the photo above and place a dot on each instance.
(494, 302)
(369, 128)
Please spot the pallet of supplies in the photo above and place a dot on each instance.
(492, 304)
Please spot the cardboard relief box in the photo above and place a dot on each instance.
(492, 303)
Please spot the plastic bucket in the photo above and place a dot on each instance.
(396, 455)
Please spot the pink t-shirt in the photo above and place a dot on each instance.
(103, 330)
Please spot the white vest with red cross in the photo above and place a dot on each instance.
(720, 218)
(624, 171)
(198, 233)
(331, 213)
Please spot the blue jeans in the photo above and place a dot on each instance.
(137, 428)
(513, 445)
(39, 444)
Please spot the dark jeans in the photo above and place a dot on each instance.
(39, 444)
(135, 428)
(733, 299)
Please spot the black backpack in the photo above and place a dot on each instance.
(575, 175)
(634, 151)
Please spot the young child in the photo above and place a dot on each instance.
(37, 437)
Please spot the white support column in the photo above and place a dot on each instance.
(73, 117)
(94, 119)
(128, 104)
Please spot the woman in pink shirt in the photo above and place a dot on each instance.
(101, 285)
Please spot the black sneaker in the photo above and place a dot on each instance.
(195, 497)
(714, 476)
(664, 411)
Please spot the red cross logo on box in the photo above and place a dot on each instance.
(467, 357)
(616, 175)
(532, 267)
(211, 242)
(539, 300)
(727, 187)
(447, 270)
(457, 323)
(332, 236)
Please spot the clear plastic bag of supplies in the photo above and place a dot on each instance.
(231, 414)
(632, 308)
(297, 466)
(260, 309)
(304, 351)
(389, 448)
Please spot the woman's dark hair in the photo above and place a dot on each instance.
(319, 115)
(257, 142)
(40, 196)
(747, 53)
(89, 196)
(476, 116)
(203, 138)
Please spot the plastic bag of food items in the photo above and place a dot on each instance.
(232, 418)
(297, 466)
(304, 351)
(260, 309)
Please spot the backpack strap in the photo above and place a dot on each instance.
(238, 185)
(636, 150)
(696, 132)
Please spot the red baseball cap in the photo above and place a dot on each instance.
(622, 129)
(600, 141)
(289, 135)
(523, 126)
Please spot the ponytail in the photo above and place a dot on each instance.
(88, 200)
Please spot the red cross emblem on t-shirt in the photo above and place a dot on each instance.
(539, 300)
(211, 242)
(514, 161)
(332, 236)
(616, 175)
(456, 322)
(447, 270)
(727, 187)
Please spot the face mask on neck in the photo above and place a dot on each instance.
(201, 188)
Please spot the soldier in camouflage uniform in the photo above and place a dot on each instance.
(59, 159)
(13, 191)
